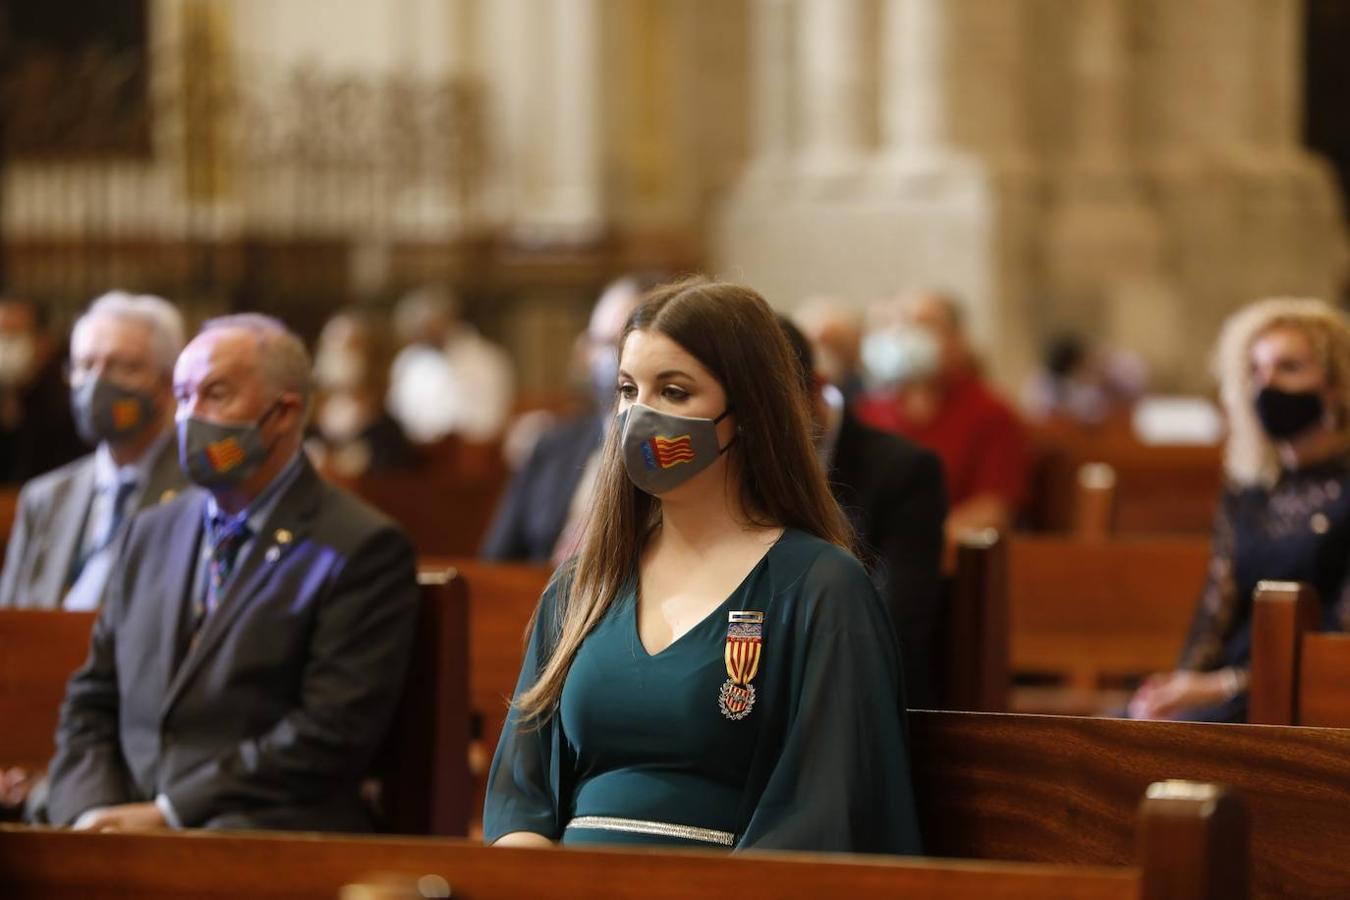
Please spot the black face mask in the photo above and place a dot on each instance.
(1284, 414)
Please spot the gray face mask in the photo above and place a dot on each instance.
(662, 451)
(109, 412)
(214, 455)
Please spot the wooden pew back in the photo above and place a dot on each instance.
(1157, 489)
(39, 649)
(1089, 612)
(1298, 675)
(423, 767)
(502, 598)
(1185, 840)
(1063, 789)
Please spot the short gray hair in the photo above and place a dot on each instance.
(158, 315)
(282, 356)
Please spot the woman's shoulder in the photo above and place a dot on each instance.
(812, 568)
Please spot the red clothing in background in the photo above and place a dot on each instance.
(978, 437)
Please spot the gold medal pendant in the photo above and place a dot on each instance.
(745, 637)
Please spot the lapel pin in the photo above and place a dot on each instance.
(282, 536)
(273, 554)
(167, 495)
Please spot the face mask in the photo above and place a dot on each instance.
(898, 355)
(661, 451)
(339, 370)
(17, 353)
(1286, 414)
(215, 455)
(105, 411)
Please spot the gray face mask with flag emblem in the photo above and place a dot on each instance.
(216, 455)
(662, 451)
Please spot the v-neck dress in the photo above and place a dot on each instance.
(818, 763)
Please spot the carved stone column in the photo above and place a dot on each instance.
(831, 87)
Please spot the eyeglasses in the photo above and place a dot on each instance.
(78, 371)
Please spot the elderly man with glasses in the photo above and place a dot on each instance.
(122, 353)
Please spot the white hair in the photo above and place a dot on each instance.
(158, 315)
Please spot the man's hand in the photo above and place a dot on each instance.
(126, 817)
(14, 787)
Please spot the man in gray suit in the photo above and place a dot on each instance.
(122, 353)
(254, 635)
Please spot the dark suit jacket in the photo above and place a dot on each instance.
(45, 437)
(893, 494)
(50, 521)
(274, 714)
(533, 512)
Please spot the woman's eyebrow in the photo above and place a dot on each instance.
(670, 373)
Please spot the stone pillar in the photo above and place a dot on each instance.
(831, 88)
(913, 99)
(544, 131)
(772, 87)
(573, 203)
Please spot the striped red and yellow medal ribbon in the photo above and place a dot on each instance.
(745, 639)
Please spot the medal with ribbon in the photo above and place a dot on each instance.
(745, 638)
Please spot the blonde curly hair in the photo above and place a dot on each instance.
(1250, 458)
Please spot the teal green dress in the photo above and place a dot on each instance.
(641, 748)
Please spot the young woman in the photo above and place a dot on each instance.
(714, 668)
(1284, 375)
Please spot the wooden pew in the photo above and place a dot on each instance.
(1158, 489)
(423, 769)
(502, 598)
(1090, 613)
(39, 649)
(1188, 840)
(1298, 675)
(1063, 790)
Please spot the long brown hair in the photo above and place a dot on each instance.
(733, 333)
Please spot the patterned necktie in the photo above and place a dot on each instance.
(227, 536)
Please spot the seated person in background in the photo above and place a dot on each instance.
(353, 434)
(714, 668)
(927, 389)
(255, 632)
(541, 515)
(448, 379)
(122, 352)
(891, 491)
(836, 336)
(1283, 368)
(1082, 384)
(36, 431)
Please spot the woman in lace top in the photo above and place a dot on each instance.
(1284, 372)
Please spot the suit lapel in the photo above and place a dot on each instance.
(180, 567)
(70, 508)
(166, 477)
(291, 519)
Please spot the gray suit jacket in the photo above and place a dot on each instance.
(49, 526)
(271, 718)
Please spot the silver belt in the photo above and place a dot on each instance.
(661, 829)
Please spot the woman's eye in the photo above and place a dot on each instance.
(628, 391)
(670, 392)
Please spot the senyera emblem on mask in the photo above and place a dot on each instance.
(663, 452)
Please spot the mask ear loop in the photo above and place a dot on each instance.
(734, 437)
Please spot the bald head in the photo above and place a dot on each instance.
(239, 366)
